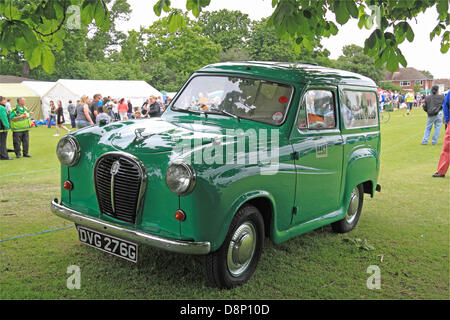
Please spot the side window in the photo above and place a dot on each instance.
(359, 109)
(317, 110)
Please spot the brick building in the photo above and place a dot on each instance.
(443, 84)
(407, 78)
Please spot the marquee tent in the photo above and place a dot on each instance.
(17, 90)
(135, 91)
(39, 87)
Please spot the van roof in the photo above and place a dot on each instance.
(291, 71)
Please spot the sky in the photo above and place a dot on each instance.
(421, 54)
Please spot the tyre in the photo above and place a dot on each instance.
(234, 263)
(353, 212)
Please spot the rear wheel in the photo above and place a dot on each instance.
(234, 263)
(353, 212)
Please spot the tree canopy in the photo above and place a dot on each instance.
(303, 22)
(168, 51)
(354, 59)
(227, 28)
(165, 58)
(37, 28)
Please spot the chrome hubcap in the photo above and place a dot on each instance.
(241, 249)
(353, 207)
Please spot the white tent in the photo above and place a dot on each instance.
(171, 94)
(39, 87)
(135, 91)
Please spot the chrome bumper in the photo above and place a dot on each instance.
(112, 229)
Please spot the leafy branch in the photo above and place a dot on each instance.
(304, 22)
(36, 28)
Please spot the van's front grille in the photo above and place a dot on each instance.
(118, 183)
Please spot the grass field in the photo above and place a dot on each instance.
(405, 227)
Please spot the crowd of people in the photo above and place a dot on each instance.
(18, 119)
(396, 100)
(434, 105)
(437, 108)
(84, 113)
(87, 111)
(100, 110)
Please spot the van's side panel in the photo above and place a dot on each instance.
(361, 150)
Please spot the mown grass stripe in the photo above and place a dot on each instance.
(402, 142)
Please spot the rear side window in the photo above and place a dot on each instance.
(317, 110)
(359, 109)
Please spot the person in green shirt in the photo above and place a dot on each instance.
(4, 127)
(20, 124)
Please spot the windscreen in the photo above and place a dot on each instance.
(253, 99)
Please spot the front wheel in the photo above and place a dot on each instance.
(234, 263)
(353, 212)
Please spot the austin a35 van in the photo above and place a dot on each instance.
(245, 150)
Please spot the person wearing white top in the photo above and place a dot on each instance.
(115, 109)
(102, 116)
(8, 106)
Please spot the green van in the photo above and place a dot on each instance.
(246, 150)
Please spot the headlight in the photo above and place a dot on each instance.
(68, 151)
(180, 178)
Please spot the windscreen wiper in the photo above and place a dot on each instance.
(192, 111)
(224, 112)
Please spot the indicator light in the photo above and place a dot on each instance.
(180, 215)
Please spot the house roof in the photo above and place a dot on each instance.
(406, 74)
(13, 79)
(445, 82)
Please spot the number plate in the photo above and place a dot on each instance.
(118, 247)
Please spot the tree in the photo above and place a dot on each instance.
(182, 52)
(11, 65)
(354, 59)
(36, 28)
(265, 45)
(65, 60)
(234, 54)
(389, 86)
(417, 87)
(303, 22)
(224, 27)
(103, 42)
(82, 54)
(427, 73)
(132, 47)
(161, 76)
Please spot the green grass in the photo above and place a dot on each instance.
(407, 224)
